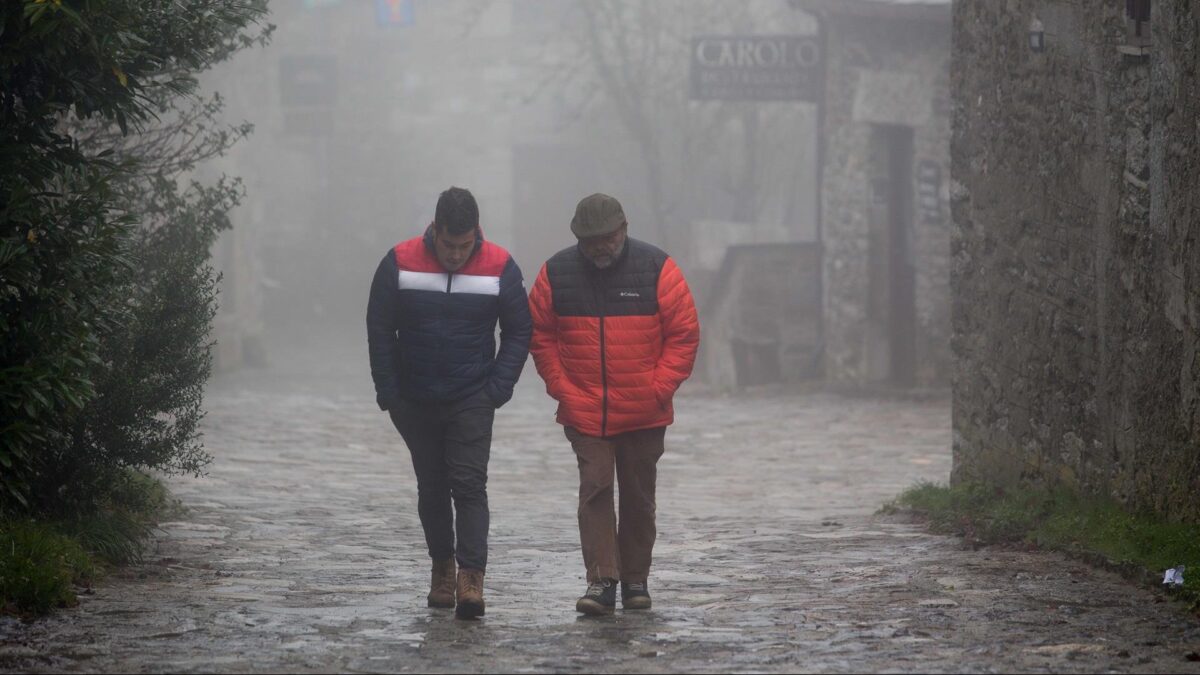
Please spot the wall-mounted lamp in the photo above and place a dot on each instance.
(1037, 35)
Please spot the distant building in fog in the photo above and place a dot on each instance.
(362, 118)
(238, 331)
(885, 217)
(862, 296)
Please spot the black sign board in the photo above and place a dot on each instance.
(756, 68)
(308, 80)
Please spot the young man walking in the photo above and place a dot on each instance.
(615, 334)
(431, 321)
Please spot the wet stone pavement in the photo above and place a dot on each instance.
(301, 551)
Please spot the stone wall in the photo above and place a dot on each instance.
(1076, 267)
(885, 71)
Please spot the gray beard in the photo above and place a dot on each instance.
(609, 260)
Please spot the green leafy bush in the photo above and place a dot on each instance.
(105, 291)
(106, 294)
(39, 568)
(42, 561)
(154, 363)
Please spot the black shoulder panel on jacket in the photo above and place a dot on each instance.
(628, 288)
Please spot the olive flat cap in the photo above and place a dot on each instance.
(596, 216)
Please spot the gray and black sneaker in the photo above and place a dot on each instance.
(601, 598)
(635, 595)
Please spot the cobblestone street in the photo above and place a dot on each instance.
(301, 551)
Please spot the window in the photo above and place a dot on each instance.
(1137, 18)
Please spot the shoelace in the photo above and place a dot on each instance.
(596, 589)
(636, 587)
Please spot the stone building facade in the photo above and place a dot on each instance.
(1076, 257)
(360, 122)
(885, 187)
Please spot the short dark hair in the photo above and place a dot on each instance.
(457, 213)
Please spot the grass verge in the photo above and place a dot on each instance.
(43, 561)
(1097, 530)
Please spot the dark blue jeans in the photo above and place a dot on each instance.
(450, 444)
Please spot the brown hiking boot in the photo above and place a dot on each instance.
(470, 594)
(442, 586)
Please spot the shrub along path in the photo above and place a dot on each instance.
(302, 552)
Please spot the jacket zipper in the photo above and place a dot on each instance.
(603, 369)
(445, 312)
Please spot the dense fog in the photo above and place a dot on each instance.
(703, 118)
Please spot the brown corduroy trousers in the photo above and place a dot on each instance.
(610, 552)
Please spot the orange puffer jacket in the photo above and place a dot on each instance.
(613, 345)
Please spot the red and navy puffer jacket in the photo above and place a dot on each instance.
(613, 345)
(431, 333)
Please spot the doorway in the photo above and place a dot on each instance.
(891, 287)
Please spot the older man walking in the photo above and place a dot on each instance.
(614, 335)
